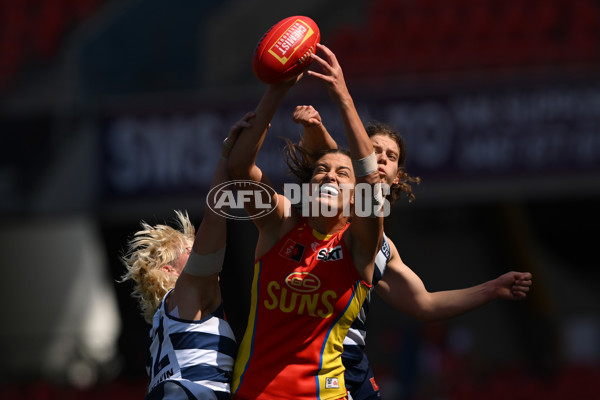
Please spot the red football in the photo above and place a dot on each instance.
(284, 50)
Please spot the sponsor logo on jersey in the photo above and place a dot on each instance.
(330, 254)
(292, 250)
(375, 386)
(166, 375)
(332, 383)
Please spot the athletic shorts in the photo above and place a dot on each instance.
(363, 387)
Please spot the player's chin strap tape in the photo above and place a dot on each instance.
(365, 166)
(205, 264)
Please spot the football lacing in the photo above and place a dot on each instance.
(306, 56)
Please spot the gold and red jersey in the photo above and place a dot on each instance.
(306, 293)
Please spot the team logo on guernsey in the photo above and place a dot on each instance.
(385, 249)
(332, 383)
(292, 250)
(303, 282)
(330, 254)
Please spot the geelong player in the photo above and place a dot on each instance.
(176, 282)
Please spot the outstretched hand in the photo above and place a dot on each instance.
(513, 285)
(287, 84)
(331, 74)
(234, 133)
(307, 116)
(236, 128)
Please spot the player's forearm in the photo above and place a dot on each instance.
(451, 303)
(359, 143)
(316, 138)
(213, 229)
(243, 156)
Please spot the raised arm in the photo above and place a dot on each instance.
(212, 232)
(315, 137)
(358, 141)
(197, 291)
(404, 290)
(366, 232)
(242, 166)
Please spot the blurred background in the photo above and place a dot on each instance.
(111, 112)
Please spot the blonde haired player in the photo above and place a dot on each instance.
(176, 282)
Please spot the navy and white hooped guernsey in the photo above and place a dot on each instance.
(354, 356)
(190, 359)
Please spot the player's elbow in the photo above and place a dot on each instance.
(424, 310)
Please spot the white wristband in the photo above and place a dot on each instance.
(205, 264)
(365, 166)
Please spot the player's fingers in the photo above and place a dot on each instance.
(239, 126)
(322, 62)
(328, 53)
(318, 75)
(524, 282)
(249, 115)
(300, 114)
(519, 292)
(522, 287)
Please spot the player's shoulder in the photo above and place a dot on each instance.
(393, 250)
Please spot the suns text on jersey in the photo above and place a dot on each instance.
(288, 301)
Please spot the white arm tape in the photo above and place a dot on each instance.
(205, 264)
(365, 166)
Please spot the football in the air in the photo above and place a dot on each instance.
(284, 50)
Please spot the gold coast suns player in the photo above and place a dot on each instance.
(313, 270)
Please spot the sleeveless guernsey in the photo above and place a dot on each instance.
(305, 294)
(190, 359)
(354, 357)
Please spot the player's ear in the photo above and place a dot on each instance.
(397, 178)
(167, 268)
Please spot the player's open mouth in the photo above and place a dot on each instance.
(328, 189)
